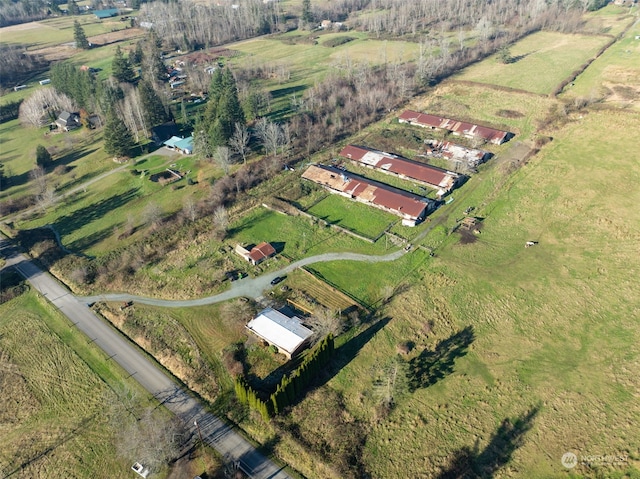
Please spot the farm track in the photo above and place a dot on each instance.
(248, 287)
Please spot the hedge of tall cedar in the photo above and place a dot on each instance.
(291, 386)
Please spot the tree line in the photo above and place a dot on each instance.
(291, 386)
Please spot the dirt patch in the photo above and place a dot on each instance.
(509, 114)
(55, 53)
(469, 235)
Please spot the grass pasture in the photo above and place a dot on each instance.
(357, 217)
(52, 413)
(555, 338)
(486, 106)
(542, 61)
(614, 76)
(307, 62)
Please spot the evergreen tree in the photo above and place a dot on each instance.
(121, 68)
(136, 56)
(72, 8)
(118, 140)
(307, 15)
(79, 36)
(154, 111)
(43, 157)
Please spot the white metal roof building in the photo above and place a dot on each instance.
(285, 333)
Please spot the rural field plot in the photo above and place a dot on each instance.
(53, 408)
(326, 295)
(357, 217)
(541, 61)
(297, 62)
(551, 363)
(614, 77)
(610, 20)
(513, 111)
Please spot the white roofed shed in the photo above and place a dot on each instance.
(285, 333)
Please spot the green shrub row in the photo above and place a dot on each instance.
(291, 386)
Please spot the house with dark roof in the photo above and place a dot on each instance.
(411, 208)
(288, 334)
(257, 254)
(68, 121)
(457, 127)
(442, 180)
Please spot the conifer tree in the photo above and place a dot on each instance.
(117, 137)
(79, 36)
(43, 157)
(154, 111)
(121, 68)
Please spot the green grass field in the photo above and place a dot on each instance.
(357, 217)
(554, 324)
(54, 399)
(614, 76)
(307, 63)
(543, 60)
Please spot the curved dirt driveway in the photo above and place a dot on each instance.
(248, 287)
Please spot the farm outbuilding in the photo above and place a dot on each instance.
(257, 254)
(457, 127)
(411, 208)
(288, 334)
(442, 180)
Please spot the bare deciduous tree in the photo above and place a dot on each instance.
(239, 142)
(190, 209)
(152, 214)
(222, 155)
(42, 105)
(221, 218)
(323, 322)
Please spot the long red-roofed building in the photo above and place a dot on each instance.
(457, 127)
(443, 180)
(411, 208)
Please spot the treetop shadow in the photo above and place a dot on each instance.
(429, 367)
(471, 463)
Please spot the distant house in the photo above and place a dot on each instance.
(161, 133)
(183, 145)
(288, 334)
(68, 121)
(457, 127)
(257, 254)
(108, 13)
(442, 180)
(411, 208)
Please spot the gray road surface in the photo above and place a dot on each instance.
(214, 431)
(248, 287)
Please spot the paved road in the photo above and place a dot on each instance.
(248, 287)
(214, 431)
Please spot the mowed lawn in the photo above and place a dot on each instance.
(357, 217)
(53, 407)
(552, 364)
(542, 61)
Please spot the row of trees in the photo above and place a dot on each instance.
(291, 386)
(188, 25)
